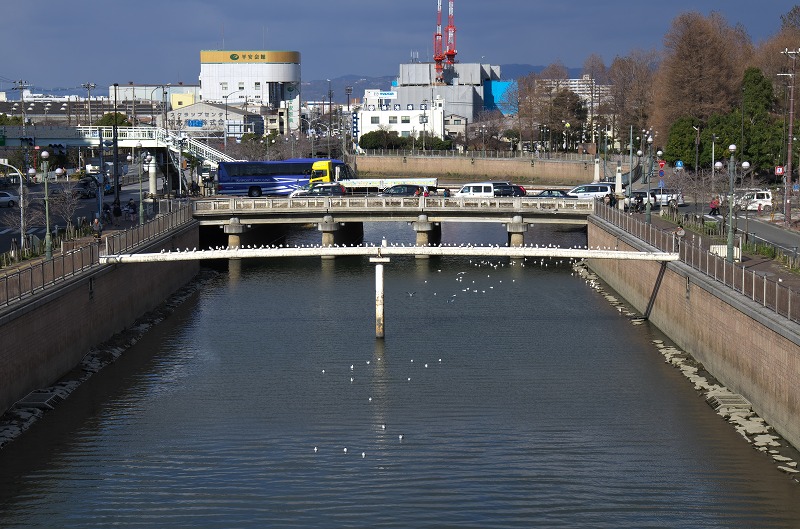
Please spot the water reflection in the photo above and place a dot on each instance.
(523, 398)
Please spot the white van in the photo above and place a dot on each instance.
(480, 189)
(759, 200)
(595, 190)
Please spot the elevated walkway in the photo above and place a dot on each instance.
(127, 138)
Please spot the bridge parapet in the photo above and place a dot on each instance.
(282, 210)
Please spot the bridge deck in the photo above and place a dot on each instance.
(374, 208)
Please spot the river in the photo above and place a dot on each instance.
(506, 394)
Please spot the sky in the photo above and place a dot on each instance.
(63, 44)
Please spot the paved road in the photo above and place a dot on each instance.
(86, 208)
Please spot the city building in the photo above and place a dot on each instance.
(256, 79)
(416, 102)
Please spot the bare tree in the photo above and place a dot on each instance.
(791, 20)
(701, 72)
(631, 80)
(64, 205)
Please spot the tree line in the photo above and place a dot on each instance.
(709, 87)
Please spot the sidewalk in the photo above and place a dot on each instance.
(755, 263)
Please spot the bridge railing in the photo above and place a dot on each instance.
(367, 203)
(758, 287)
(160, 136)
(23, 283)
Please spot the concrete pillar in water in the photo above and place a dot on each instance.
(328, 227)
(379, 316)
(426, 231)
(516, 231)
(234, 230)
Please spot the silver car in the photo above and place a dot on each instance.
(8, 200)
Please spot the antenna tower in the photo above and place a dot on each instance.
(440, 53)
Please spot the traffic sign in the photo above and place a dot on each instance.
(661, 183)
(679, 164)
(661, 164)
(661, 175)
(779, 170)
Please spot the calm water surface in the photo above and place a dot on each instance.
(523, 400)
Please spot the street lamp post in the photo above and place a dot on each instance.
(731, 175)
(139, 160)
(21, 207)
(48, 241)
(648, 206)
(424, 121)
(225, 131)
(483, 139)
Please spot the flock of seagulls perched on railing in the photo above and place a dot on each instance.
(371, 245)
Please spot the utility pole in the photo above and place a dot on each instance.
(115, 179)
(89, 87)
(787, 222)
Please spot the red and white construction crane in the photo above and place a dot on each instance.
(440, 53)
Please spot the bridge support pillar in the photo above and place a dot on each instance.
(328, 227)
(379, 318)
(428, 233)
(234, 230)
(516, 231)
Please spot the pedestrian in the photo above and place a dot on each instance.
(97, 228)
(117, 210)
(446, 192)
(131, 210)
(714, 205)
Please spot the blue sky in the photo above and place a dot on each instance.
(66, 43)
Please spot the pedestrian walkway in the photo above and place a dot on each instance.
(761, 265)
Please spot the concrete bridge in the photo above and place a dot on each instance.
(334, 216)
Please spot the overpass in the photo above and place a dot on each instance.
(127, 138)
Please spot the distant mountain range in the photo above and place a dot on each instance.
(318, 90)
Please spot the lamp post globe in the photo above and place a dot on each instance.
(48, 241)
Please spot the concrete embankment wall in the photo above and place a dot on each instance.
(746, 347)
(45, 337)
(466, 169)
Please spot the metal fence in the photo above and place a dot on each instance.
(25, 282)
(756, 286)
(502, 155)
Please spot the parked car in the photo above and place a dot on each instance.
(509, 190)
(331, 189)
(402, 190)
(668, 197)
(8, 200)
(553, 193)
(594, 190)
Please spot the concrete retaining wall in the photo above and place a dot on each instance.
(462, 168)
(748, 348)
(46, 337)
